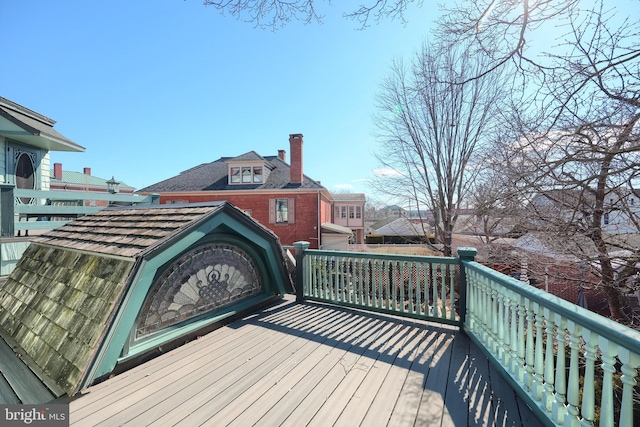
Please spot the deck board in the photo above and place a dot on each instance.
(310, 364)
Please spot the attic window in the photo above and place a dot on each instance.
(245, 175)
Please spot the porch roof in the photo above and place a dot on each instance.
(24, 125)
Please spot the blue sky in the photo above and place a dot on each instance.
(153, 87)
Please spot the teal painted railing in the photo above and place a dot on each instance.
(571, 365)
(412, 286)
(43, 210)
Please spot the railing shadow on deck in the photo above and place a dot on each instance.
(571, 366)
(454, 377)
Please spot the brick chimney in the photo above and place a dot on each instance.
(295, 143)
(57, 170)
(282, 155)
(87, 171)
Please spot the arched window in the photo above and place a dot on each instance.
(204, 279)
(25, 167)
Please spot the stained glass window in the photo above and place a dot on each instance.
(204, 279)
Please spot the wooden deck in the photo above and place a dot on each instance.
(310, 364)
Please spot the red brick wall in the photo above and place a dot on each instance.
(561, 280)
(304, 228)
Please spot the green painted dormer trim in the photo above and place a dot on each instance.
(227, 226)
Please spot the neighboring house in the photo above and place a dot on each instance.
(83, 181)
(401, 230)
(622, 212)
(548, 262)
(393, 211)
(348, 211)
(26, 139)
(268, 189)
(620, 215)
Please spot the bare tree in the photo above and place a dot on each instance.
(497, 207)
(579, 144)
(277, 13)
(430, 128)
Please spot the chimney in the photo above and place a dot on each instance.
(87, 171)
(295, 142)
(57, 170)
(282, 155)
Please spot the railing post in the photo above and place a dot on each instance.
(464, 254)
(7, 211)
(300, 247)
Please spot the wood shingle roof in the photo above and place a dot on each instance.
(126, 232)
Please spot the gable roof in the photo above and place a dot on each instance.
(403, 227)
(22, 124)
(214, 177)
(250, 156)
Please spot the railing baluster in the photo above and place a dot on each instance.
(513, 331)
(501, 345)
(493, 315)
(443, 291)
(572, 417)
(587, 409)
(403, 284)
(538, 367)
(522, 371)
(558, 407)
(393, 271)
(608, 357)
(530, 354)
(452, 291)
(548, 396)
(630, 363)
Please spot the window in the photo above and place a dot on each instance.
(235, 174)
(257, 174)
(606, 219)
(343, 210)
(337, 212)
(351, 212)
(281, 211)
(246, 175)
(358, 212)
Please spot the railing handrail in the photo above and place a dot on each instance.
(80, 195)
(616, 332)
(391, 257)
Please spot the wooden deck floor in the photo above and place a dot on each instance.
(310, 364)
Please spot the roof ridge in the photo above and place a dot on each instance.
(4, 102)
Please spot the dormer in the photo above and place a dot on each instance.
(248, 169)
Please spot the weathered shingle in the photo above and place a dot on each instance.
(125, 232)
(49, 301)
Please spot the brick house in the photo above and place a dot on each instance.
(275, 193)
